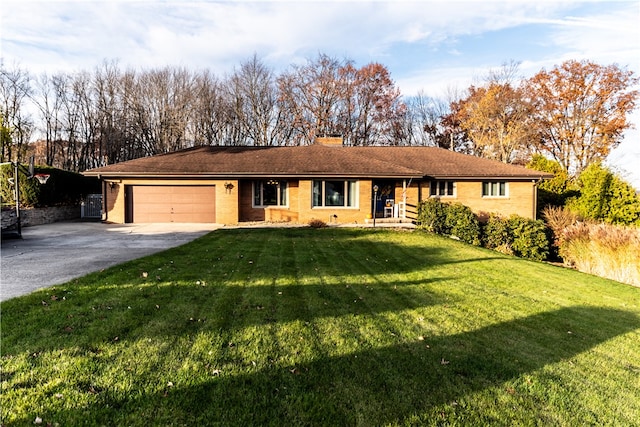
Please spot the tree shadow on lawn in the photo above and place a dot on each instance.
(375, 385)
(340, 251)
(167, 310)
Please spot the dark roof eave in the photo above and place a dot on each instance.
(490, 177)
(204, 175)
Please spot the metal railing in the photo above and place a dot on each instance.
(91, 206)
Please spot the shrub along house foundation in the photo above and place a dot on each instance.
(325, 181)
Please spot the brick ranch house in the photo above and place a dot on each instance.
(325, 180)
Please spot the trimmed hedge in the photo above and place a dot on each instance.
(432, 216)
(496, 235)
(455, 220)
(515, 235)
(62, 187)
(530, 238)
(462, 223)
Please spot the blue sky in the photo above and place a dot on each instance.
(433, 46)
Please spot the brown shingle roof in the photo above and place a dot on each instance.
(314, 161)
(439, 163)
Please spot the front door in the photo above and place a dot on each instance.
(384, 197)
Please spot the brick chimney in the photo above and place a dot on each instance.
(329, 140)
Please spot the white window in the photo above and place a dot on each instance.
(494, 189)
(442, 188)
(271, 192)
(334, 193)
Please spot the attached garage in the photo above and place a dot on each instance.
(171, 203)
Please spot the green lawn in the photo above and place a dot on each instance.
(324, 327)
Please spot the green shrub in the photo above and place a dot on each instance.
(606, 197)
(624, 205)
(530, 238)
(456, 220)
(496, 234)
(461, 222)
(62, 187)
(432, 216)
(517, 236)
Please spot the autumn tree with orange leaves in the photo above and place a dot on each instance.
(374, 112)
(497, 121)
(580, 110)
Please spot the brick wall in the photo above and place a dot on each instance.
(519, 200)
(37, 216)
(113, 197)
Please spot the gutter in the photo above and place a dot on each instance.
(244, 175)
(487, 177)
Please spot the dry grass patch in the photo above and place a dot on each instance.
(603, 250)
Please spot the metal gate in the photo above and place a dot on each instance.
(91, 206)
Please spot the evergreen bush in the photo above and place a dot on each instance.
(432, 216)
(606, 197)
(554, 191)
(461, 222)
(516, 235)
(496, 235)
(530, 239)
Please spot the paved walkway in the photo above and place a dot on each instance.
(51, 254)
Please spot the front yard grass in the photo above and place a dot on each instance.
(324, 327)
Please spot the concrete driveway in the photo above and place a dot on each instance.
(55, 253)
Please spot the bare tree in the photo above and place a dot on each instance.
(163, 103)
(15, 91)
(208, 122)
(425, 115)
(313, 94)
(85, 131)
(254, 100)
(48, 99)
(111, 117)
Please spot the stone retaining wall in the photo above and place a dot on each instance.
(37, 216)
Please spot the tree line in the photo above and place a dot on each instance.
(574, 113)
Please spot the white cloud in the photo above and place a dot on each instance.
(173, 32)
(609, 37)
